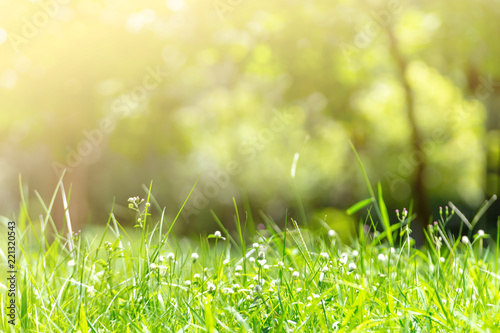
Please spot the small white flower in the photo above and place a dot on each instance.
(295, 274)
(252, 259)
(228, 291)
(266, 267)
(257, 288)
(162, 258)
(255, 245)
(187, 282)
(196, 276)
(262, 255)
(465, 240)
(261, 262)
(354, 253)
(299, 290)
(91, 290)
(382, 257)
(71, 263)
(325, 268)
(236, 286)
(238, 268)
(315, 296)
(332, 233)
(218, 234)
(343, 258)
(309, 298)
(152, 266)
(171, 256)
(480, 232)
(442, 259)
(352, 266)
(211, 287)
(324, 255)
(194, 256)
(225, 262)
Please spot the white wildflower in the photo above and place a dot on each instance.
(343, 258)
(382, 257)
(211, 287)
(218, 234)
(228, 291)
(91, 290)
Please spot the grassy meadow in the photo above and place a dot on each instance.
(283, 278)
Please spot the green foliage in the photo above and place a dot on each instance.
(228, 67)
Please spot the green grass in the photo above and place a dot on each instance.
(277, 279)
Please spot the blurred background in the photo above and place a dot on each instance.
(120, 93)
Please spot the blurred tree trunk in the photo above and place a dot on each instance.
(484, 88)
(418, 185)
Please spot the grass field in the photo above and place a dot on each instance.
(281, 279)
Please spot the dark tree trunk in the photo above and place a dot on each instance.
(418, 187)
